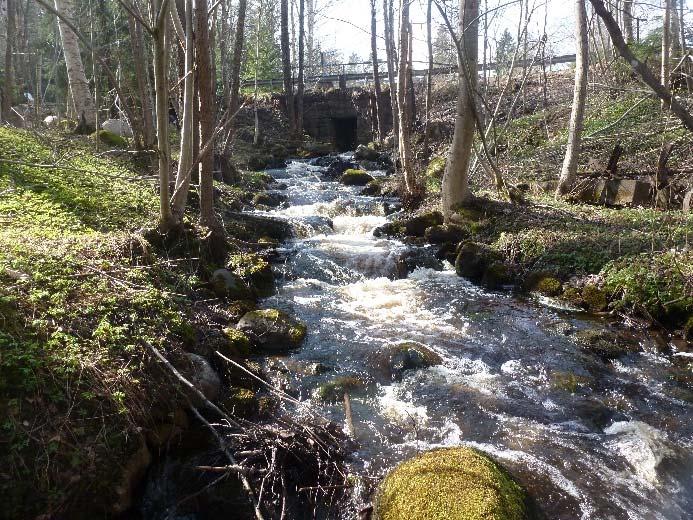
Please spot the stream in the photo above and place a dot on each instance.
(588, 438)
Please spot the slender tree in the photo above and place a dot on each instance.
(404, 108)
(301, 67)
(666, 46)
(205, 91)
(455, 187)
(388, 17)
(577, 116)
(141, 72)
(185, 160)
(429, 75)
(628, 21)
(235, 73)
(380, 110)
(82, 98)
(286, 65)
(8, 85)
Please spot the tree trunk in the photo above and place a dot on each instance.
(301, 67)
(256, 137)
(286, 66)
(628, 21)
(310, 38)
(137, 44)
(161, 45)
(235, 73)
(577, 116)
(429, 76)
(185, 162)
(388, 14)
(455, 187)
(675, 43)
(405, 150)
(8, 85)
(79, 87)
(666, 46)
(380, 111)
(639, 67)
(205, 91)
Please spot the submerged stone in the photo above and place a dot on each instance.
(334, 390)
(451, 483)
(269, 199)
(397, 358)
(604, 343)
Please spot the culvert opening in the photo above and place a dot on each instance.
(344, 133)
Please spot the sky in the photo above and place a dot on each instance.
(345, 24)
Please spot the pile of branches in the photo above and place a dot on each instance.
(291, 466)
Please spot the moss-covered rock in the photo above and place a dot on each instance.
(269, 199)
(259, 162)
(394, 359)
(255, 271)
(573, 296)
(226, 284)
(365, 153)
(238, 343)
(389, 229)
(544, 283)
(436, 168)
(335, 389)
(417, 226)
(604, 343)
(473, 260)
(443, 233)
(372, 189)
(496, 275)
(459, 483)
(353, 177)
(594, 298)
(110, 139)
(272, 330)
(239, 308)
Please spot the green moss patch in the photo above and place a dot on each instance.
(110, 139)
(460, 483)
(355, 178)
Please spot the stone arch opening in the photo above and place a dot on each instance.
(345, 133)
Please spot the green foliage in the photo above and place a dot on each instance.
(656, 284)
(505, 49)
(262, 31)
(109, 138)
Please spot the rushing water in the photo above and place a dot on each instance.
(613, 442)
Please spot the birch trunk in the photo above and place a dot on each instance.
(235, 73)
(577, 116)
(286, 65)
(628, 20)
(455, 187)
(405, 150)
(141, 72)
(388, 15)
(79, 87)
(301, 67)
(185, 162)
(8, 85)
(666, 42)
(380, 111)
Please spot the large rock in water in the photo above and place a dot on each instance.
(364, 153)
(452, 483)
(355, 178)
(417, 226)
(229, 285)
(396, 358)
(272, 330)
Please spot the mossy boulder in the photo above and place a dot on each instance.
(334, 390)
(594, 298)
(238, 343)
(226, 284)
(573, 296)
(237, 309)
(473, 260)
(269, 199)
(442, 484)
(604, 343)
(353, 177)
(110, 139)
(259, 162)
(272, 330)
(372, 189)
(544, 283)
(496, 275)
(443, 233)
(255, 271)
(417, 226)
(389, 229)
(394, 359)
(365, 153)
